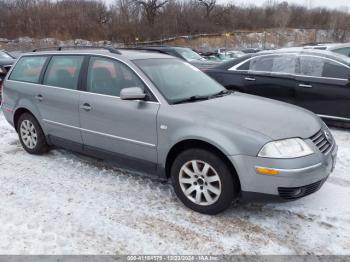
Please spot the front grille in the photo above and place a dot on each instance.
(323, 140)
(298, 192)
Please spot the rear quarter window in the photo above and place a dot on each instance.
(335, 70)
(28, 69)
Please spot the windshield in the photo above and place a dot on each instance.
(4, 55)
(189, 54)
(177, 80)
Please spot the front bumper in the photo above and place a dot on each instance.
(297, 177)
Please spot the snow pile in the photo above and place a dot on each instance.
(63, 203)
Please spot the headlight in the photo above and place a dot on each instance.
(288, 148)
(2, 70)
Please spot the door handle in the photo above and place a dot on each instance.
(86, 107)
(305, 86)
(249, 78)
(39, 98)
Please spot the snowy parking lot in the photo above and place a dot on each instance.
(63, 203)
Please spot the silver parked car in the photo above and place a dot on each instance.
(339, 48)
(161, 115)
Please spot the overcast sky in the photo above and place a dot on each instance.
(334, 4)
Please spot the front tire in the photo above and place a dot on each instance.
(31, 135)
(203, 181)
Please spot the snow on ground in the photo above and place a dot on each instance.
(63, 203)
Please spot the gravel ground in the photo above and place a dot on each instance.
(63, 203)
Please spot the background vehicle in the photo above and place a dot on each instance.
(183, 53)
(212, 57)
(228, 55)
(251, 50)
(315, 80)
(222, 54)
(6, 61)
(15, 54)
(340, 48)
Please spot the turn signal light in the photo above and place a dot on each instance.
(267, 171)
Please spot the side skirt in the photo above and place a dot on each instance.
(123, 161)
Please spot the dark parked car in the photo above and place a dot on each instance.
(183, 53)
(313, 79)
(6, 61)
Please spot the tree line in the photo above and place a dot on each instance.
(127, 21)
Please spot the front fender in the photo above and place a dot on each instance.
(229, 142)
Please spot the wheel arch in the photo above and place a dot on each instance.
(196, 143)
(18, 112)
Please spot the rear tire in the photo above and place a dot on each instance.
(31, 135)
(203, 181)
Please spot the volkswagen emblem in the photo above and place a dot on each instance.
(328, 136)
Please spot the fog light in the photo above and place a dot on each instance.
(266, 171)
(296, 192)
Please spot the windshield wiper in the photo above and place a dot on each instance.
(191, 99)
(199, 98)
(221, 93)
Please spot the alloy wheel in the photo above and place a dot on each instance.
(200, 182)
(28, 134)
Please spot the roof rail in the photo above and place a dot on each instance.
(60, 48)
(143, 49)
(156, 46)
(316, 43)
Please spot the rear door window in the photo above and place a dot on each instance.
(285, 64)
(28, 69)
(63, 71)
(311, 66)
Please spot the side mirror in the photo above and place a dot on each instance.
(132, 93)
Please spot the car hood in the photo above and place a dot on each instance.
(273, 119)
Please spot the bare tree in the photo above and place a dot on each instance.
(209, 6)
(124, 21)
(151, 8)
(340, 25)
(129, 20)
(282, 15)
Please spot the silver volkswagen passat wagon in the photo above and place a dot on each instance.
(160, 115)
